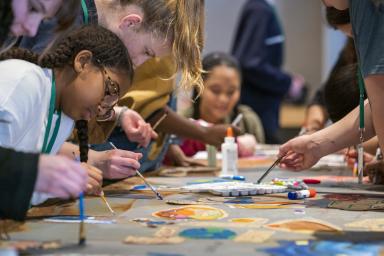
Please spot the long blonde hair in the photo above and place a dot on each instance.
(183, 22)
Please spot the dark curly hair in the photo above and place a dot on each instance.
(107, 50)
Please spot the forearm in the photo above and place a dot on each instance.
(343, 133)
(181, 126)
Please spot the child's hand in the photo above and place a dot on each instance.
(116, 163)
(375, 171)
(60, 177)
(136, 129)
(247, 145)
(351, 157)
(95, 179)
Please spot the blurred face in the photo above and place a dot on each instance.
(221, 94)
(143, 46)
(86, 97)
(28, 15)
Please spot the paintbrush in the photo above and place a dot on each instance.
(158, 195)
(161, 119)
(82, 217)
(270, 169)
(102, 195)
(237, 119)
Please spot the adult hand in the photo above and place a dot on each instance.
(299, 154)
(60, 177)
(116, 163)
(136, 129)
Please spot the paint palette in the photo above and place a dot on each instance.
(234, 188)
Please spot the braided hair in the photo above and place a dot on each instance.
(82, 135)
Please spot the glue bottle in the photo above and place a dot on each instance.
(229, 155)
(302, 194)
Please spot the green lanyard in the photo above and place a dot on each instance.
(361, 103)
(360, 149)
(85, 12)
(47, 146)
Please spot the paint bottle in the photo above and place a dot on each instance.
(229, 155)
(302, 194)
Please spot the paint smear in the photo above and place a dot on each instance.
(368, 224)
(196, 212)
(316, 248)
(358, 205)
(254, 236)
(208, 233)
(243, 220)
(304, 226)
(153, 240)
(266, 206)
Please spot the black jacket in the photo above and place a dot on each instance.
(258, 46)
(18, 173)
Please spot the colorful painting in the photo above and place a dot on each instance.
(323, 248)
(195, 212)
(208, 233)
(304, 226)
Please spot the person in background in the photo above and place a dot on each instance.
(219, 104)
(22, 173)
(258, 46)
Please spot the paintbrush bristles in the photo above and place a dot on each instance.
(82, 238)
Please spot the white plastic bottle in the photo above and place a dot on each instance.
(229, 155)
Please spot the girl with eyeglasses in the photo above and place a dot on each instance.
(42, 97)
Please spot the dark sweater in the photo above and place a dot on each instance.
(18, 173)
(258, 46)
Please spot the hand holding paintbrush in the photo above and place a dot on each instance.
(158, 195)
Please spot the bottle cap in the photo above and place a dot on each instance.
(229, 132)
(292, 195)
(312, 192)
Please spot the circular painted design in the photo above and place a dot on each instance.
(208, 233)
(195, 212)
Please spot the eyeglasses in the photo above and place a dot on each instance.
(111, 97)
